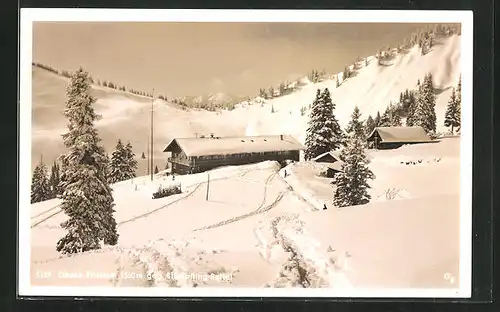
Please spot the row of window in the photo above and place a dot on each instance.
(243, 155)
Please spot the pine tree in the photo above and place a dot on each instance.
(352, 181)
(452, 115)
(272, 109)
(262, 93)
(395, 117)
(143, 156)
(282, 89)
(377, 120)
(369, 125)
(425, 113)
(156, 169)
(118, 165)
(271, 92)
(391, 117)
(87, 199)
(40, 186)
(54, 180)
(355, 126)
(412, 103)
(323, 133)
(131, 162)
(107, 167)
(385, 119)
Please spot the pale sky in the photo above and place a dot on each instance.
(196, 58)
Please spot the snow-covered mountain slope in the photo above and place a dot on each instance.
(127, 116)
(371, 89)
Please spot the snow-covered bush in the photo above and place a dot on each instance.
(168, 191)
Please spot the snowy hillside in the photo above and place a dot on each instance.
(255, 220)
(127, 116)
(371, 89)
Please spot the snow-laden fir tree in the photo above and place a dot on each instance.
(424, 114)
(107, 167)
(412, 105)
(271, 92)
(323, 133)
(131, 161)
(369, 126)
(391, 117)
(119, 164)
(452, 115)
(54, 180)
(459, 93)
(385, 119)
(355, 126)
(352, 182)
(377, 120)
(40, 188)
(156, 169)
(408, 106)
(87, 198)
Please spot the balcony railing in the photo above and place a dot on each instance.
(182, 161)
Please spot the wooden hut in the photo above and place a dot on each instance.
(394, 137)
(332, 162)
(193, 155)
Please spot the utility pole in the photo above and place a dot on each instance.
(152, 146)
(208, 185)
(147, 160)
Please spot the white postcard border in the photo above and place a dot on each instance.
(28, 16)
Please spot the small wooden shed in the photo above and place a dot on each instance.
(332, 162)
(394, 137)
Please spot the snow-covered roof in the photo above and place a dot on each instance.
(325, 156)
(234, 145)
(400, 134)
(337, 166)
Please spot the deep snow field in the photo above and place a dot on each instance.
(410, 239)
(407, 236)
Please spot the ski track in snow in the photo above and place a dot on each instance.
(260, 208)
(185, 196)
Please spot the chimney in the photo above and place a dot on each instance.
(281, 137)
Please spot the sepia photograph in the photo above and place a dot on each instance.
(245, 153)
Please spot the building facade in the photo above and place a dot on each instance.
(194, 155)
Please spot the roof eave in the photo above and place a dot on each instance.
(168, 146)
